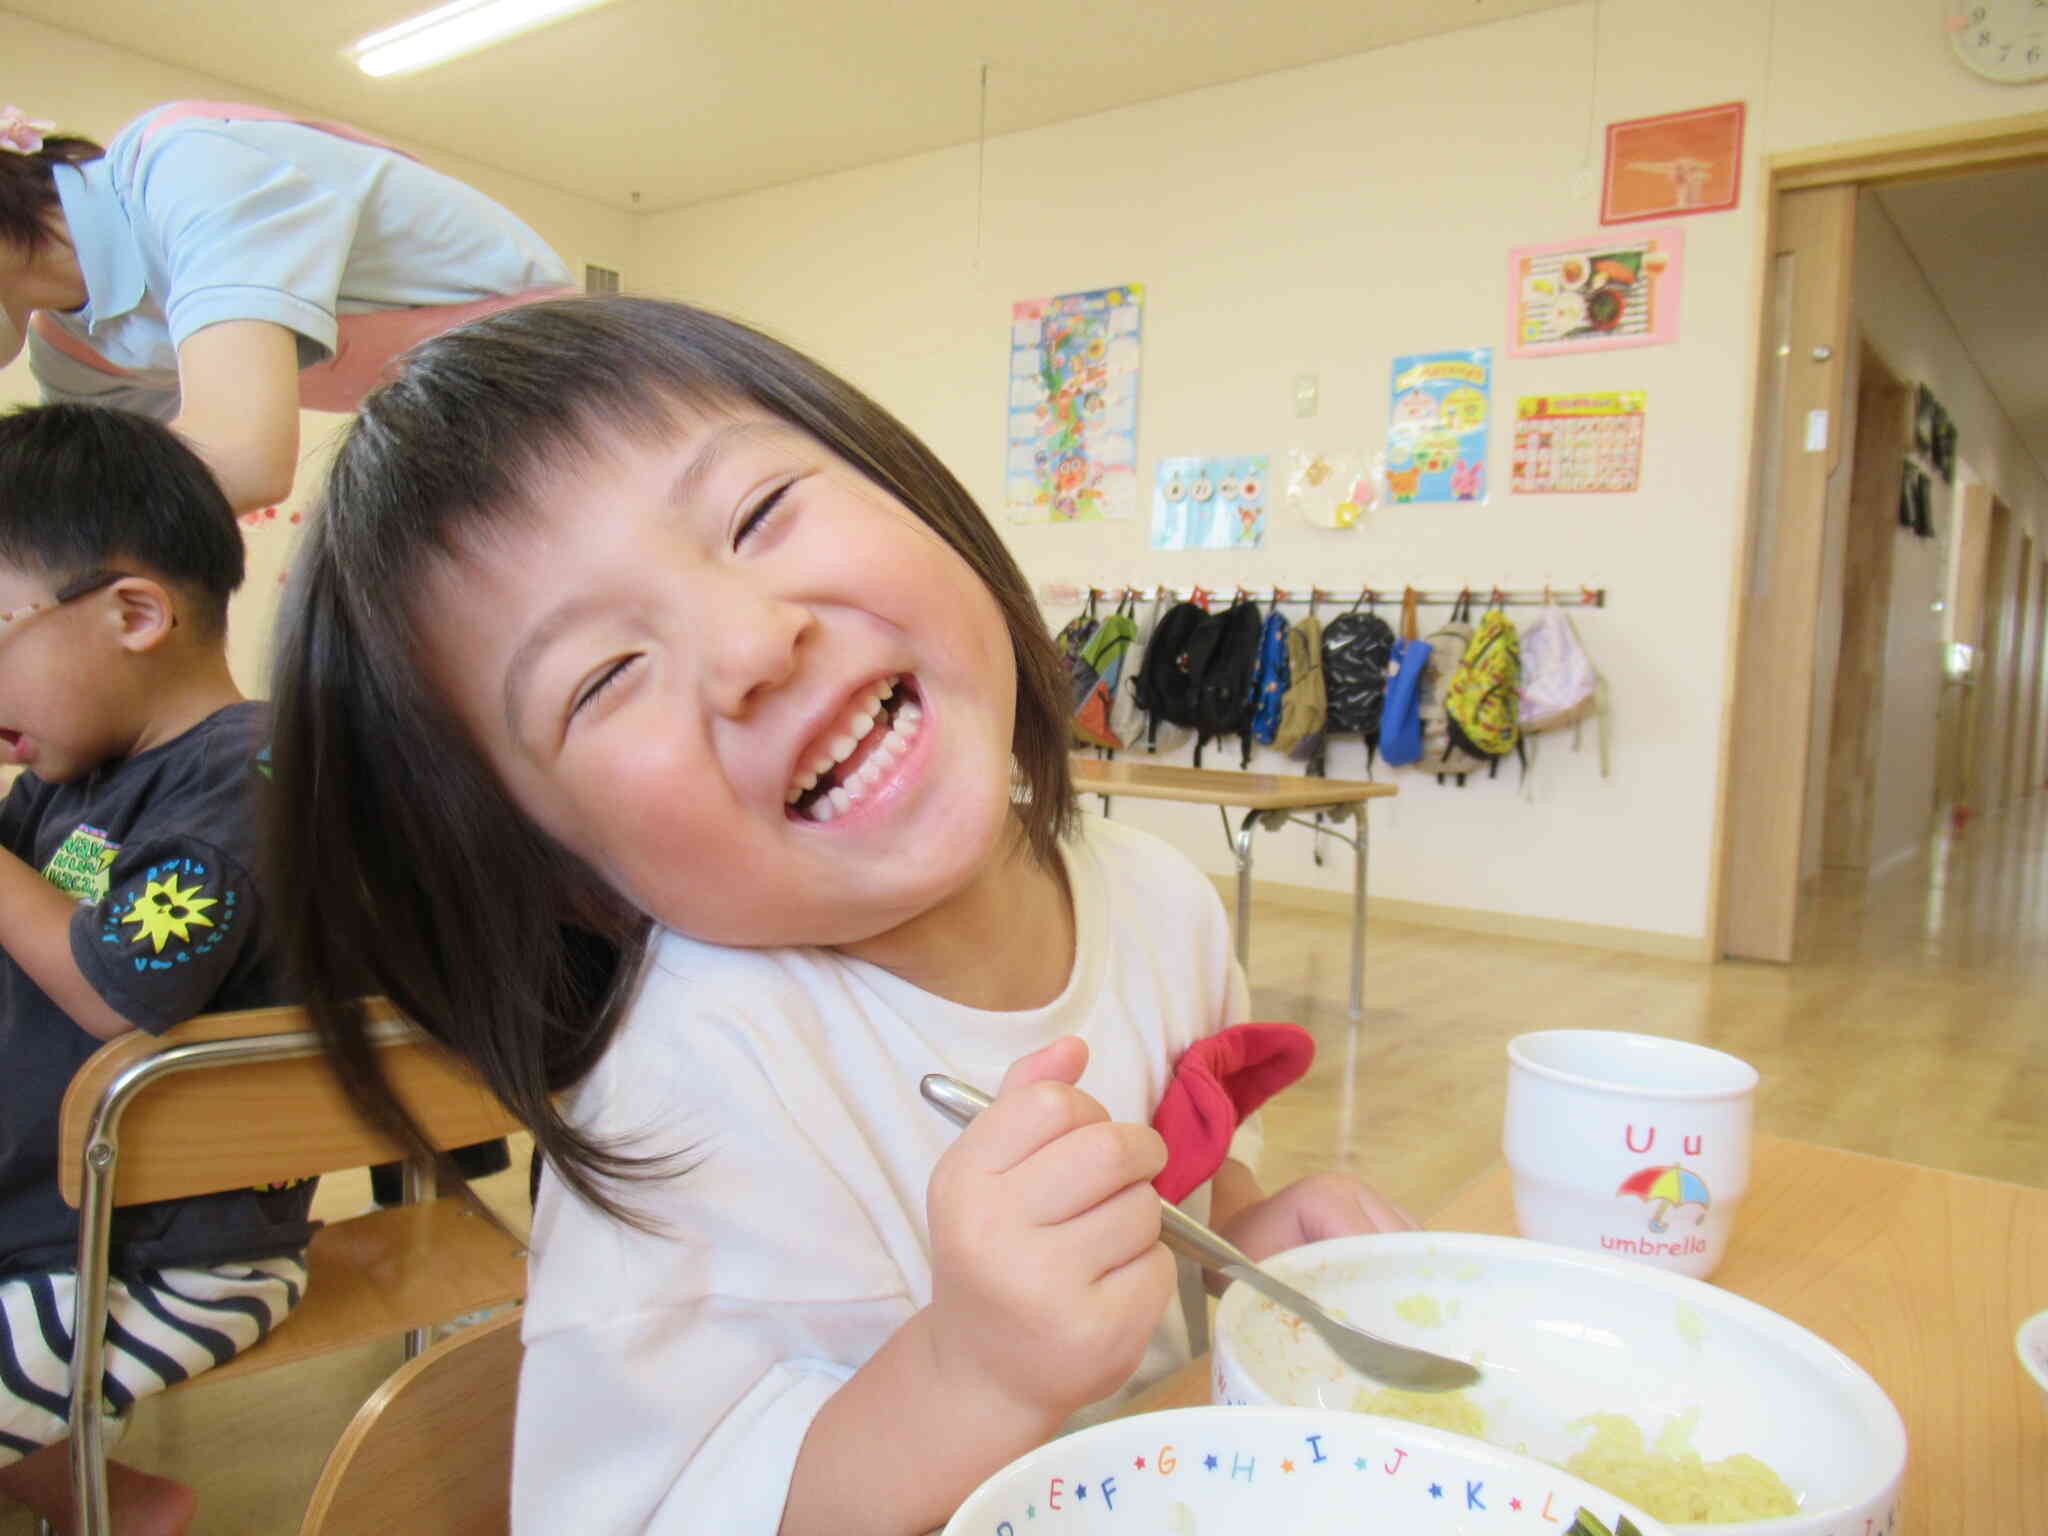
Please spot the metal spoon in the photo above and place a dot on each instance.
(1398, 1365)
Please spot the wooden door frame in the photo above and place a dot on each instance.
(1766, 747)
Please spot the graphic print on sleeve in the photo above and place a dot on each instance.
(171, 913)
(80, 864)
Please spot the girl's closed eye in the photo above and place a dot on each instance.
(599, 684)
(752, 521)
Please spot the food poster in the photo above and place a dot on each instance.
(1436, 438)
(1073, 434)
(1215, 503)
(1584, 442)
(1584, 295)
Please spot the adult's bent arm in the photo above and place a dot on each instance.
(239, 383)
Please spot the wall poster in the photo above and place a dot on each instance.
(1679, 163)
(1582, 442)
(1615, 290)
(1073, 406)
(1216, 503)
(1436, 434)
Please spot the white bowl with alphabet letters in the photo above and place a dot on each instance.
(1268, 1471)
(1560, 1334)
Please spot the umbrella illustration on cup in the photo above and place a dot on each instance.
(1667, 1187)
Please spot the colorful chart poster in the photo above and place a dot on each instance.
(1436, 439)
(1210, 503)
(1073, 436)
(1614, 290)
(1586, 442)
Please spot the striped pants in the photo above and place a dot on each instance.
(162, 1326)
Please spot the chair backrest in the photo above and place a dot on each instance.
(240, 1123)
(432, 1448)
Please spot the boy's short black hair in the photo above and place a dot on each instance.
(86, 489)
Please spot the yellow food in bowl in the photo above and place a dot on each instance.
(1674, 1482)
(1440, 1410)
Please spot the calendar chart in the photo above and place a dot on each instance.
(1583, 442)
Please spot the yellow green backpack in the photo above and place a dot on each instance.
(1483, 698)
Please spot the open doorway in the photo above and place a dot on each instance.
(1798, 786)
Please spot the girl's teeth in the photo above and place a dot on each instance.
(894, 743)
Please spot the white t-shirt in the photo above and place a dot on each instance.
(670, 1379)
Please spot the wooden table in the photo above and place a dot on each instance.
(1269, 800)
(1920, 1276)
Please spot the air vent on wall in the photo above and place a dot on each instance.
(599, 279)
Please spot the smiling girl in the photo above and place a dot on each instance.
(667, 730)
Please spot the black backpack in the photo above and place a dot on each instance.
(1223, 661)
(1163, 687)
(1357, 648)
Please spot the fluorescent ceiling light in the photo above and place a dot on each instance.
(449, 30)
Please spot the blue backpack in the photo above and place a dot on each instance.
(1274, 677)
(1401, 717)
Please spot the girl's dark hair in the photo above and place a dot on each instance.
(403, 867)
(28, 188)
(84, 489)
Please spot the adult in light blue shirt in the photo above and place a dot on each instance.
(214, 251)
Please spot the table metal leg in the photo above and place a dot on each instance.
(1358, 918)
(1241, 848)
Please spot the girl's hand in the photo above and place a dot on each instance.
(1307, 1211)
(1048, 1277)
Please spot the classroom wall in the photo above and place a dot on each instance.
(1324, 220)
(87, 87)
(1318, 220)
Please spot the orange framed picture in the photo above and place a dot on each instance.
(1679, 163)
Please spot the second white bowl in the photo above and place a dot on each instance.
(1561, 1333)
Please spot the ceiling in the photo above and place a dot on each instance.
(655, 104)
(1981, 241)
(658, 103)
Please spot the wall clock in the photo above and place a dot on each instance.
(2003, 40)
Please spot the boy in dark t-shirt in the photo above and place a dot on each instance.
(129, 899)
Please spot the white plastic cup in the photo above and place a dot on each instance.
(1631, 1144)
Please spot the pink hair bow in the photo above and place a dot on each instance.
(19, 133)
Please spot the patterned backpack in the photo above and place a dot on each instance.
(1483, 699)
(1274, 677)
(1358, 649)
(1447, 645)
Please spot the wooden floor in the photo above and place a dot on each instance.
(1916, 1028)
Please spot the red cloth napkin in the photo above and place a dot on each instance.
(1216, 1083)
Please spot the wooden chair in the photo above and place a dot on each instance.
(431, 1451)
(229, 1100)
